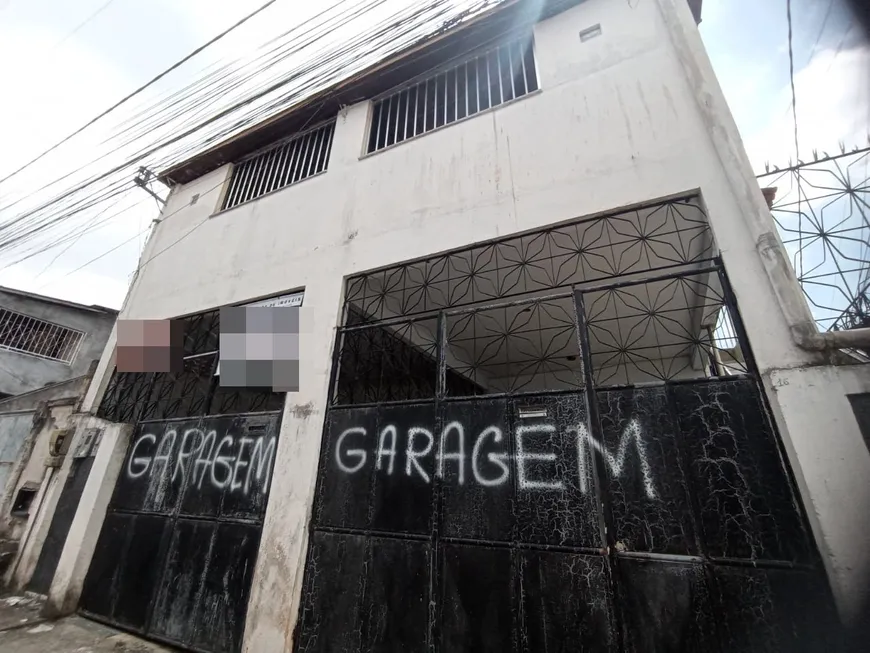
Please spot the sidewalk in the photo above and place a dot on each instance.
(22, 630)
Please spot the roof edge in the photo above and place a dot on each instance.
(181, 172)
(94, 308)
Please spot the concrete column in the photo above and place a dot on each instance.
(277, 585)
(66, 588)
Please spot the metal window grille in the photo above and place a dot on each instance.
(479, 83)
(302, 156)
(30, 335)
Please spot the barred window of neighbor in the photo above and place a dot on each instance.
(290, 161)
(30, 335)
(482, 82)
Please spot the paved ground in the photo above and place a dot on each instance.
(22, 630)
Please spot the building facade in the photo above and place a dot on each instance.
(557, 387)
(44, 340)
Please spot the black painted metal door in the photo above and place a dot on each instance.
(176, 554)
(666, 522)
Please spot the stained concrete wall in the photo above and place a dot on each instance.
(632, 115)
(834, 470)
(43, 470)
(15, 431)
(20, 372)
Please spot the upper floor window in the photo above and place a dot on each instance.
(30, 335)
(477, 84)
(298, 158)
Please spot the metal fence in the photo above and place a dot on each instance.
(822, 210)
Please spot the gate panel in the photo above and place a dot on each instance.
(567, 603)
(747, 508)
(774, 610)
(140, 570)
(555, 500)
(227, 582)
(379, 469)
(646, 479)
(356, 586)
(481, 505)
(666, 606)
(176, 554)
(478, 601)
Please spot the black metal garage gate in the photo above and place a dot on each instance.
(175, 558)
(590, 470)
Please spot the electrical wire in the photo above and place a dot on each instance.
(82, 24)
(286, 61)
(140, 89)
(794, 115)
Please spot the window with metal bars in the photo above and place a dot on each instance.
(30, 335)
(298, 158)
(482, 82)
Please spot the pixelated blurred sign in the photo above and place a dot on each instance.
(293, 299)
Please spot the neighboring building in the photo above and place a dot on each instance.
(48, 349)
(44, 340)
(559, 387)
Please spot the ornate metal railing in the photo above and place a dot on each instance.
(822, 210)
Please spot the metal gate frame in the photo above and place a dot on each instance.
(170, 531)
(590, 389)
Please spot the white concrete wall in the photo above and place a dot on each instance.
(833, 472)
(630, 116)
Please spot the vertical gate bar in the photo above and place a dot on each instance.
(477, 81)
(425, 105)
(407, 109)
(432, 631)
(599, 472)
(398, 117)
(329, 134)
(488, 81)
(456, 93)
(736, 321)
(745, 348)
(593, 418)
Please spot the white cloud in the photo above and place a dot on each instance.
(833, 105)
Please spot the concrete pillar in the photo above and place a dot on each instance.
(277, 585)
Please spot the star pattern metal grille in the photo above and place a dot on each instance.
(655, 237)
(194, 391)
(531, 346)
(822, 210)
(661, 330)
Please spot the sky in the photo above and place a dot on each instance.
(65, 61)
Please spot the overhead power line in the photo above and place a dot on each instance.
(303, 61)
(139, 90)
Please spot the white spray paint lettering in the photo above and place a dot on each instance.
(492, 469)
(630, 434)
(229, 462)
